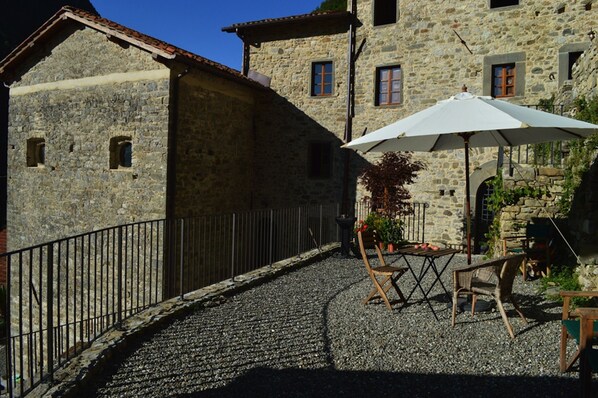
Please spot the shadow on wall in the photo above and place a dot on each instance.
(583, 218)
(265, 382)
(299, 161)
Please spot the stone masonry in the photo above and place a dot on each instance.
(535, 35)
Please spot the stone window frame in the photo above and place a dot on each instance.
(36, 152)
(324, 169)
(377, 85)
(564, 51)
(519, 59)
(119, 159)
(312, 79)
(396, 19)
(493, 6)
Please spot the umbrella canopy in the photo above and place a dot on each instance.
(466, 120)
(493, 123)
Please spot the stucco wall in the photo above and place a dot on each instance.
(84, 91)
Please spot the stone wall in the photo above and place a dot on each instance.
(76, 97)
(215, 146)
(435, 64)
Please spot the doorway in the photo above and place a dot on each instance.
(483, 216)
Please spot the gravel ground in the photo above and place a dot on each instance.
(307, 334)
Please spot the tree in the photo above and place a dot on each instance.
(386, 182)
(332, 5)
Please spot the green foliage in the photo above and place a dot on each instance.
(332, 5)
(389, 230)
(386, 179)
(502, 197)
(565, 279)
(581, 153)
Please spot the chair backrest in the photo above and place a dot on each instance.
(509, 270)
(369, 240)
(538, 231)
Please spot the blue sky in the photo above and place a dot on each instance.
(195, 25)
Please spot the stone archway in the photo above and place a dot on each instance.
(478, 190)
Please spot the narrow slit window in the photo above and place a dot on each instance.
(121, 152)
(320, 160)
(36, 152)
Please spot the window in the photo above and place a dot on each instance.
(320, 160)
(388, 85)
(503, 3)
(385, 12)
(321, 79)
(588, 6)
(560, 9)
(36, 152)
(573, 57)
(503, 80)
(121, 152)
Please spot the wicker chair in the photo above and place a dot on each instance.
(492, 278)
(570, 328)
(388, 274)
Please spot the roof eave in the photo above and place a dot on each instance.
(239, 27)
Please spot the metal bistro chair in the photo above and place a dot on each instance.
(384, 276)
(492, 278)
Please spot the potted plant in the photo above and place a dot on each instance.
(395, 235)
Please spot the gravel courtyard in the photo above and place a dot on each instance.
(307, 334)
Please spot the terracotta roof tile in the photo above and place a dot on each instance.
(109, 27)
(290, 19)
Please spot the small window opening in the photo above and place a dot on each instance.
(503, 3)
(121, 152)
(36, 152)
(385, 12)
(320, 160)
(321, 79)
(71, 148)
(560, 10)
(588, 6)
(573, 57)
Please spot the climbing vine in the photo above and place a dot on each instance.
(502, 197)
(581, 153)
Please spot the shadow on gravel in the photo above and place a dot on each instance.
(263, 382)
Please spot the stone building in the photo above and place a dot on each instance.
(409, 54)
(109, 126)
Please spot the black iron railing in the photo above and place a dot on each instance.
(413, 222)
(63, 294)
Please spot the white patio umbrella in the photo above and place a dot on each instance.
(465, 121)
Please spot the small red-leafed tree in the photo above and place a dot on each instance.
(386, 180)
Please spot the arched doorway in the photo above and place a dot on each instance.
(483, 215)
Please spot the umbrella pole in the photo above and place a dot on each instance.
(465, 137)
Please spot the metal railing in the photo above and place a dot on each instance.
(413, 222)
(63, 294)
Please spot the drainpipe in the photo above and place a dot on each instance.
(344, 220)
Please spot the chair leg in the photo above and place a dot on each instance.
(474, 298)
(518, 309)
(455, 298)
(563, 353)
(505, 319)
(394, 284)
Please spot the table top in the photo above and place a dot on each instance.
(412, 251)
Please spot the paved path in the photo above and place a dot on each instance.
(306, 334)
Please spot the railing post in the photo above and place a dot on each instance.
(50, 310)
(232, 257)
(338, 209)
(119, 281)
(424, 222)
(271, 235)
(299, 232)
(321, 221)
(181, 257)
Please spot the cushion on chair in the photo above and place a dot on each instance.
(572, 326)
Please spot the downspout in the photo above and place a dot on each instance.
(246, 53)
(345, 220)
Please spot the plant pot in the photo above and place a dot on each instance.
(391, 247)
(381, 245)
